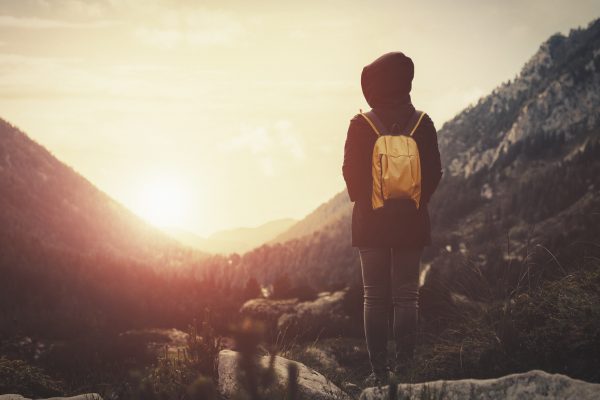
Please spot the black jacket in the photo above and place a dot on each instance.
(399, 223)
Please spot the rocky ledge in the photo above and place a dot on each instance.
(311, 384)
(530, 385)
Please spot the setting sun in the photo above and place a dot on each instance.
(163, 201)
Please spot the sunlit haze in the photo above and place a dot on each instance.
(164, 201)
(212, 115)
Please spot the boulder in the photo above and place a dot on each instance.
(311, 384)
(267, 310)
(534, 384)
(322, 317)
(87, 396)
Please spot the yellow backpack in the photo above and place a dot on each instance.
(396, 167)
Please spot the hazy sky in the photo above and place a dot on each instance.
(215, 114)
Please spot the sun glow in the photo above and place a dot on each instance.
(164, 202)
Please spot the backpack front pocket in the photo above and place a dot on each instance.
(398, 178)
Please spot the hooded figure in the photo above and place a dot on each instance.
(386, 85)
(387, 81)
(390, 239)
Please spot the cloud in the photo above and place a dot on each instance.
(266, 165)
(289, 140)
(193, 28)
(257, 140)
(9, 21)
(37, 77)
(273, 148)
(45, 77)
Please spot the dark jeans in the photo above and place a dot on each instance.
(390, 276)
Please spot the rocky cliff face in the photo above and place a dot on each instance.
(524, 154)
(556, 92)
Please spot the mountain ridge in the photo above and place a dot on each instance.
(43, 198)
(234, 240)
(514, 107)
(328, 212)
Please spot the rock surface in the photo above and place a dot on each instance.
(534, 384)
(311, 384)
(87, 396)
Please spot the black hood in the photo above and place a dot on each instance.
(387, 81)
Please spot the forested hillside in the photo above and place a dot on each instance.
(44, 200)
(326, 214)
(70, 253)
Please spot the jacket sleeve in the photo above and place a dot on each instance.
(356, 168)
(431, 165)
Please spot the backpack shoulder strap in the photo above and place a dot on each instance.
(375, 123)
(413, 122)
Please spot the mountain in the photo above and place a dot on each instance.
(44, 200)
(527, 152)
(522, 163)
(327, 213)
(237, 240)
(555, 94)
(73, 259)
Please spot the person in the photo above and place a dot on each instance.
(390, 239)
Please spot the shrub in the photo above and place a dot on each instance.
(554, 326)
(16, 376)
(190, 374)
